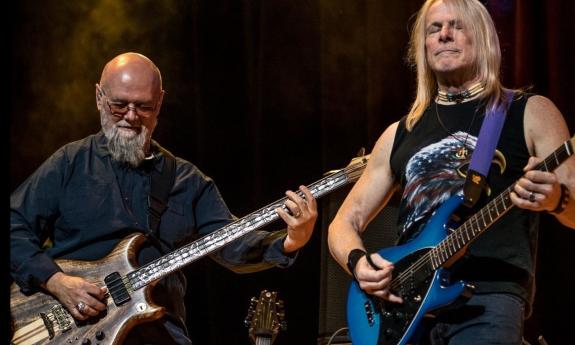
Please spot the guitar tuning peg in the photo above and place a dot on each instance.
(281, 315)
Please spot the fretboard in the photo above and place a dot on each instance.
(209, 243)
(490, 213)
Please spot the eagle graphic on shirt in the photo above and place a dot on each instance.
(434, 174)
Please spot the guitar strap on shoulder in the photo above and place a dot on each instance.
(484, 150)
(161, 185)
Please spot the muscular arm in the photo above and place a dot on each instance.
(367, 197)
(545, 130)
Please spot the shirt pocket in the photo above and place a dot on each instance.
(87, 203)
(178, 224)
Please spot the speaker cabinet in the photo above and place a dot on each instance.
(334, 281)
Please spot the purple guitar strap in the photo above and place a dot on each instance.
(484, 150)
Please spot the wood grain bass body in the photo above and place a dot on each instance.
(41, 319)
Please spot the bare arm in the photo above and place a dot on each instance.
(367, 197)
(545, 130)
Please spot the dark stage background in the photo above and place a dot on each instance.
(264, 96)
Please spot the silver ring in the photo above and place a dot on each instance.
(81, 307)
(531, 196)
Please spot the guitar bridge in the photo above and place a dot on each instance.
(48, 324)
(369, 312)
(62, 318)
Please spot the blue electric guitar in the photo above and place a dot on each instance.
(419, 274)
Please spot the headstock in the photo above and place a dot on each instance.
(355, 167)
(265, 317)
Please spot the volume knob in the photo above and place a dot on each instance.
(100, 335)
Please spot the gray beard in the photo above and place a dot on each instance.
(125, 150)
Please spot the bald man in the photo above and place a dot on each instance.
(93, 192)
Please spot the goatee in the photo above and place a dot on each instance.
(124, 149)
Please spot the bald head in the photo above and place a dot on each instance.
(129, 97)
(132, 71)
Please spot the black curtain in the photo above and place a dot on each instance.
(264, 96)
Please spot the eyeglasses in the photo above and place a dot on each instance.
(120, 108)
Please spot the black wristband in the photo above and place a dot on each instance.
(352, 259)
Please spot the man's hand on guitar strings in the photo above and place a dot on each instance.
(376, 282)
(301, 221)
(536, 190)
(80, 297)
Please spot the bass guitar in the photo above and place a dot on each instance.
(265, 318)
(40, 319)
(419, 274)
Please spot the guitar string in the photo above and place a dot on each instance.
(500, 200)
(117, 284)
(346, 171)
(443, 245)
(450, 240)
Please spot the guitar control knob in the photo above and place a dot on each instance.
(86, 341)
(100, 335)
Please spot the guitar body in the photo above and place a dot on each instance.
(109, 328)
(372, 321)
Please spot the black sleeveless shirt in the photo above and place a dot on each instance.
(425, 164)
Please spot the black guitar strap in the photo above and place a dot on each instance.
(161, 185)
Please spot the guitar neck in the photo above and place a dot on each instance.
(490, 213)
(208, 244)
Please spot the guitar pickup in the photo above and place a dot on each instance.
(117, 288)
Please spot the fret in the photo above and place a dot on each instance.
(434, 260)
(496, 209)
(463, 240)
(476, 219)
(482, 214)
(443, 255)
(489, 210)
(450, 246)
(459, 242)
(556, 158)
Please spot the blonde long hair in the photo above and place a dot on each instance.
(487, 56)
